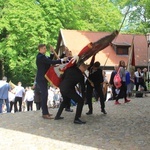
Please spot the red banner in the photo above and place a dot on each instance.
(54, 73)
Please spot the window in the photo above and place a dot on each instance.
(122, 50)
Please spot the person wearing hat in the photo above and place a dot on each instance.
(71, 77)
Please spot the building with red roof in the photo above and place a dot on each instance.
(118, 50)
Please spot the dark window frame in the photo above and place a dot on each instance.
(122, 50)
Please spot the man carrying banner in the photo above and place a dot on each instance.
(53, 74)
(43, 63)
(71, 77)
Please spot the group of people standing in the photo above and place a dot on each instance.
(120, 92)
(140, 78)
(11, 97)
(72, 77)
(15, 97)
(75, 77)
(129, 80)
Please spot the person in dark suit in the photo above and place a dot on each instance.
(67, 53)
(96, 77)
(43, 63)
(71, 77)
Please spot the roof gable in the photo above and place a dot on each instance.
(75, 40)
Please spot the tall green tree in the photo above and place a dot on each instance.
(25, 28)
(138, 18)
(26, 23)
(100, 15)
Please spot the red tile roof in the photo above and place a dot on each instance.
(75, 40)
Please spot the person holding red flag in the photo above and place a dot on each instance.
(71, 77)
(43, 63)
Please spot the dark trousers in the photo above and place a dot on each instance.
(29, 105)
(113, 92)
(66, 98)
(89, 93)
(44, 95)
(38, 105)
(11, 105)
(123, 92)
(19, 100)
(68, 104)
(142, 84)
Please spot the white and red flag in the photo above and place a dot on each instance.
(54, 73)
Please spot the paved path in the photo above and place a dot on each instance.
(125, 127)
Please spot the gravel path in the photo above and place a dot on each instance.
(125, 127)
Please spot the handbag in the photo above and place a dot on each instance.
(139, 94)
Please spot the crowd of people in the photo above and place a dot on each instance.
(79, 84)
(22, 99)
(133, 80)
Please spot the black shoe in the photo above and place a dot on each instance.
(89, 113)
(69, 110)
(58, 118)
(78, 121)
(103, 111)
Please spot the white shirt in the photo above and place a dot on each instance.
(19, 91)
(50, 94)
(137, 74)
(29, 96)
(11, 96)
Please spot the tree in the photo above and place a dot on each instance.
(26, 23)
(23, 23)
(138, 19)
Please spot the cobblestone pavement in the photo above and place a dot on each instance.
(125, 127)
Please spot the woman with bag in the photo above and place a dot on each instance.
(123, 87)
